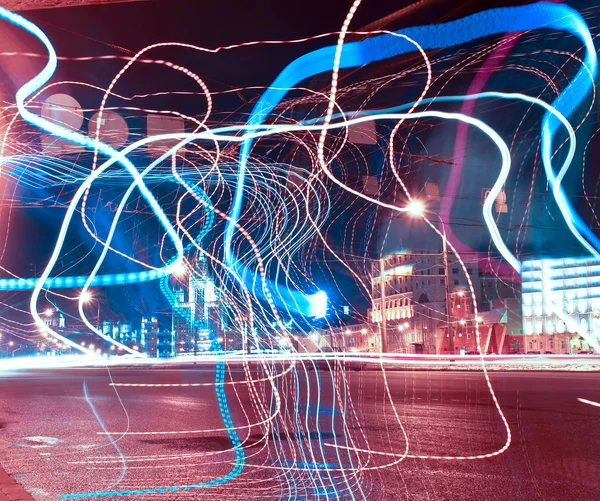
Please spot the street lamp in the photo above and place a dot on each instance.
(86, 297)
(417, 208)
(17, 349)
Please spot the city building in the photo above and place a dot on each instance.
(54, 319)
(360, 338)
(149, 335)
(561, 304)
(199, 317)
(183, 327)
(121, 331)
(499, 327)
(415, 298)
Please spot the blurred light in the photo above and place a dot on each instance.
(48, 312)
(85, 297)
(318, 304)
(416, 208)
(462, 321)
(179, 270)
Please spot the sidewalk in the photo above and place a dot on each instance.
(11, 490)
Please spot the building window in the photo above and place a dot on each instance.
(441, 281)
(429, 271)
(441, 271)
(455, 271)
(456, 282)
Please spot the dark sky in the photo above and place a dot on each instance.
(127, 27)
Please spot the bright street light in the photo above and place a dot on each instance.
(179, 269)
(416, 208)
(49, 312)
(85, 296)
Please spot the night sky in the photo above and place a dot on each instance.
(122, 29)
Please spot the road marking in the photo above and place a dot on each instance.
(589, 402)
(44, 440)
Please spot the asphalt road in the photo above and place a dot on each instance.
(169, 442)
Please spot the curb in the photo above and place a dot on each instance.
(11, 490)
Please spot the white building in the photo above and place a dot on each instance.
(197, 318)
(561, 302)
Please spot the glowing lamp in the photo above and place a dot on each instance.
(415, 208)
(318, 304)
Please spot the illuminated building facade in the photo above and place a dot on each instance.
(183, 329)
(149, 335)
(54, 319)
(351, 338)
(415, 293)
(561, 304)
(121, 332)
(197, 317)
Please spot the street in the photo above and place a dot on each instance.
(169, 442)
